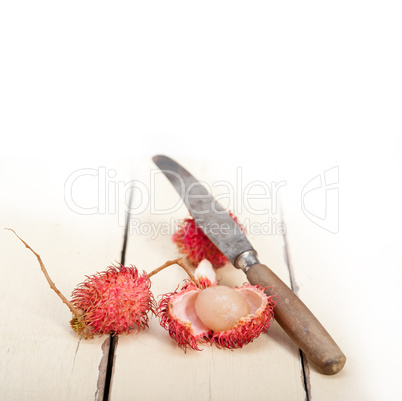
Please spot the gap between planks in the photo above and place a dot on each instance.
(109, 346)
(305, 370)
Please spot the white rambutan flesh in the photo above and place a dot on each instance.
(220, 307)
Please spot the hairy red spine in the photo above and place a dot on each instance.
(115, 301)
(196, 246)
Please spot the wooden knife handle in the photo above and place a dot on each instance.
(298, 322)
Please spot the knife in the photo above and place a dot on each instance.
(290, 312)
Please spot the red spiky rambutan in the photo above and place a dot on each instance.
(196, 246)
(115, 301)
(215, 314)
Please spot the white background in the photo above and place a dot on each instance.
(284, 90)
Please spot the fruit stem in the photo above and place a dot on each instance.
(75, 312)
(172, 262)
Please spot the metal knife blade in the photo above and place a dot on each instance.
(290, 312)
(209, 215)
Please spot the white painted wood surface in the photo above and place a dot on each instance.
(353, 277)
(41, 356)
(336, 275)
(287, 92)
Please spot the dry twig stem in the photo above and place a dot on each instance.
(172, 262)
(51, 283)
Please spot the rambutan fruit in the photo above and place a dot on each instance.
(215, 314)
(196, 246)
(115, 301)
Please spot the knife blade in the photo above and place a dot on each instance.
(290, 312)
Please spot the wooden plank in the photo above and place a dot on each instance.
(351, 278)
(40, 355)
(151, 366)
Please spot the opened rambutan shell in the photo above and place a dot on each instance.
(178, 316)
(196, 246)
(116, 301)
(251, 326)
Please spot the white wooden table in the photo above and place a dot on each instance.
(283, 96)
